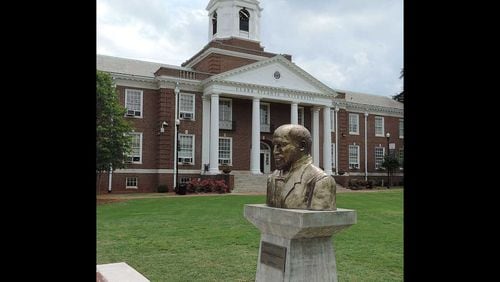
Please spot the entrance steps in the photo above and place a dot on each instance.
(245, 182)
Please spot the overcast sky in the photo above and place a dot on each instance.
(354, 45)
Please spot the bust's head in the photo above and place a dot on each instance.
(290, 143)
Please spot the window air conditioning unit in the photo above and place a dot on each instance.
(128, 160)
(187, 115)
(132, 113)
(187, 160)
(225, 162)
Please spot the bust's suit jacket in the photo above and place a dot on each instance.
(304, 187)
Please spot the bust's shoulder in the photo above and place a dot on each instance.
(312, 171)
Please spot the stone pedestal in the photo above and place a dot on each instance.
(295, 244)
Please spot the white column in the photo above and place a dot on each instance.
(366, 146)
(110, 178)
(255, 151)
(214, 134)
(294, 114)
(336, 141)
(205, 136)
(315, 135)
(327, 141)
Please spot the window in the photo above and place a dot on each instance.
(131, 183)
(379, 126)
(186, 106)
(401, 157)
(214, 23)
(379, 156)
(300, 117)
(332, 120)
(354, 124)
(225, 113)
(333, 155)
(186, 149)
(244, 19)
(353, 156)
(401, 128)
(133, 103)
(225, 148)
(264, 118)
(135, 155)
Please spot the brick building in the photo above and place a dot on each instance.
(224, 102)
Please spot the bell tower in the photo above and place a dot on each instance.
(234, 18)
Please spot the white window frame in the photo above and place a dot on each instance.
(265, 127)
(380, 127)
(401, 128)
(353, 117)
(139, 155)
(192, 149)
(181, 113)
(300, 115)
(333, 155)
(141, 92)
(127, 186)
(332, 120)
(401, 159)
(379, 161)
(226, 123)
(351, 164)
(219, 159)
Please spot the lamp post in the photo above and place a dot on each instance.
(387, 135)
(177, 122)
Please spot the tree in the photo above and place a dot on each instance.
(401, 95)
(390, 163)
(112, 141)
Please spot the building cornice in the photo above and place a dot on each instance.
(278, 58)
(134, 80)
(213, 50)
(370, 109)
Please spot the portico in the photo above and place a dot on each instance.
(261, 85)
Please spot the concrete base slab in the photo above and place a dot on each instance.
(119, 272)
(296, 245)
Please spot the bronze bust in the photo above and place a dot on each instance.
(297, 183)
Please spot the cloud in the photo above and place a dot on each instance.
(349, 44)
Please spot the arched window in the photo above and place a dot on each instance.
(214, 23)
(244, 19)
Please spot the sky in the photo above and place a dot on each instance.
(353, 45)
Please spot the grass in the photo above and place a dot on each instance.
(208, 239)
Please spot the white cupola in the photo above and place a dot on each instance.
(234, 18)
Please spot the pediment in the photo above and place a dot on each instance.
(275, 72)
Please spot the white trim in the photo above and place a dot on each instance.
(332, 117)
(186, 112)
(399, 128)
(349, 123)
(230, 112)
(300, 113)
(132, 187)
(140, 148)
(349, 156)
(326, 91)
(268, 105)
(141, 92)
(192, 151)
(213, 50)
(366, 146)
(230, 150)
(383, 126)
(356, 173)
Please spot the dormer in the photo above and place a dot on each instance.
(234, 18)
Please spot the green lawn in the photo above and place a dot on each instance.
(208, 239)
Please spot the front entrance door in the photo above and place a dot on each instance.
(265, 158)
